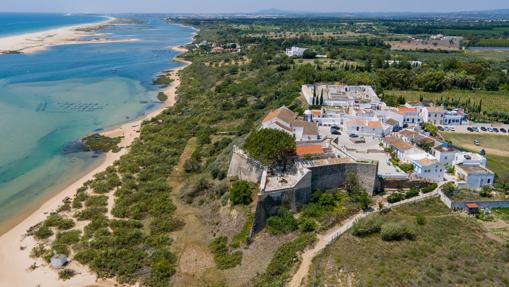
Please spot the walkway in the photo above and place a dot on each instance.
(323, 240)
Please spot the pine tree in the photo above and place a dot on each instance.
(321, 98)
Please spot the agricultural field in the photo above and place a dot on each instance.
(491, 100)
(445, 249)
(496, 147)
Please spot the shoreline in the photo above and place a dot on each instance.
(33, 42)
(15, 247)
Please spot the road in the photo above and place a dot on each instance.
(323, 240)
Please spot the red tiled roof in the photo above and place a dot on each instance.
(309, 150)
(472, 205)
(406, 110)
(374, 124)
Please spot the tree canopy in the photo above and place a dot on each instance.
(270, 146)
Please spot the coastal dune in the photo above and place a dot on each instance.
(15, 246)
(40, 41)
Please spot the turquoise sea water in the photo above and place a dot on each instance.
(49, 100)
(20, 23)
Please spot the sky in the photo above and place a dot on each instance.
(233, 6)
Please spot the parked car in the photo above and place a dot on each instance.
(477, 142)
(495, 130)
(354, 136)
(503, 130)
(440, 128)
(483, 129)
(335, 132)
(470, 129)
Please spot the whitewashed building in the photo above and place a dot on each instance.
(367, 127)
(342, 96)
(444, 154)
(434, 115)
(285, 120)
(455, 117)
(474, 176)
(295, 52)
(428, 169)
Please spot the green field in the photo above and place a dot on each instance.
(496, 147)
(497, 55)
(491, 101)
(448, 250)
(493, 43)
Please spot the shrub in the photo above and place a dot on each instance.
(396, 231)
(222, 256)
(395, 197)
(43, 232)
(413, 192)
(240, 192)
(308, 225)
(66, 274)
(449, 188)
(283, 223)
(368, 225)
(429, 188)
(420, 219)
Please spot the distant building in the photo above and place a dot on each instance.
(217, 50)
(295, 52)
(474, 176)
(469, 158)
(341, 96)
(367, 127)
(411, 116)
(284, 119)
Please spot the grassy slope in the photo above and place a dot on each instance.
(497, 148)
(491, 101)
(449, 250)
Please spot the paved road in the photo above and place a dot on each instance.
(323, 240)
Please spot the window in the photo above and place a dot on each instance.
(489, 180)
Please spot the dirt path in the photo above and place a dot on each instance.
(323, 240)
(189, 244)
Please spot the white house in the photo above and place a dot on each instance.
(474, 176)
(428, 169)
(455, 117)
(469, 158)
(404, 151)
(444, 154)
(367, 127)
(284, 119)
(411, 116)
(434, 115)
(295, 52)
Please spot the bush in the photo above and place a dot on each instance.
(449, 189)
(308, 225)
(240, 193)
(395, 197)
(413, 192)
(366, 226)
(43, 232)
(420, 219)
(66, 274)
(283, 223)
(396, 231)
(222, 256)
(429, 188)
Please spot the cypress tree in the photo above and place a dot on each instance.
(321, 99)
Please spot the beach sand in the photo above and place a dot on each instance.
(40, 41)
(15, 246)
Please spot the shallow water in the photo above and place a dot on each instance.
(50, 99)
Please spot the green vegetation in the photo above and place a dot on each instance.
(448, 250)
(224, 258)
(270, 146)
(241, 192)
(162, 97)
(282, 223)
(367, 226)
(162, 80)
(97, 142)
(66, 274)
(283, 261)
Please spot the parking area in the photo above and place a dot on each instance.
(477, 128)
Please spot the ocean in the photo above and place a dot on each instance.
(50, 99)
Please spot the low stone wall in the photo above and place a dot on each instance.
(401, 184)
(481, 203)
(334, 176)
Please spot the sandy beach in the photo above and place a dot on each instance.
(40, 41)
(15, 246)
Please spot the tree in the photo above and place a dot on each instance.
(240, 193)
(321, 98)
(270, 146)
(309, 54)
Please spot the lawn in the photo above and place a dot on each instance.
(448, 250)
(496, 147)
(491, 101)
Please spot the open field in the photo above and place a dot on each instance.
(449, 250)
(497, 55)
(491, 101)
(496, 147)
